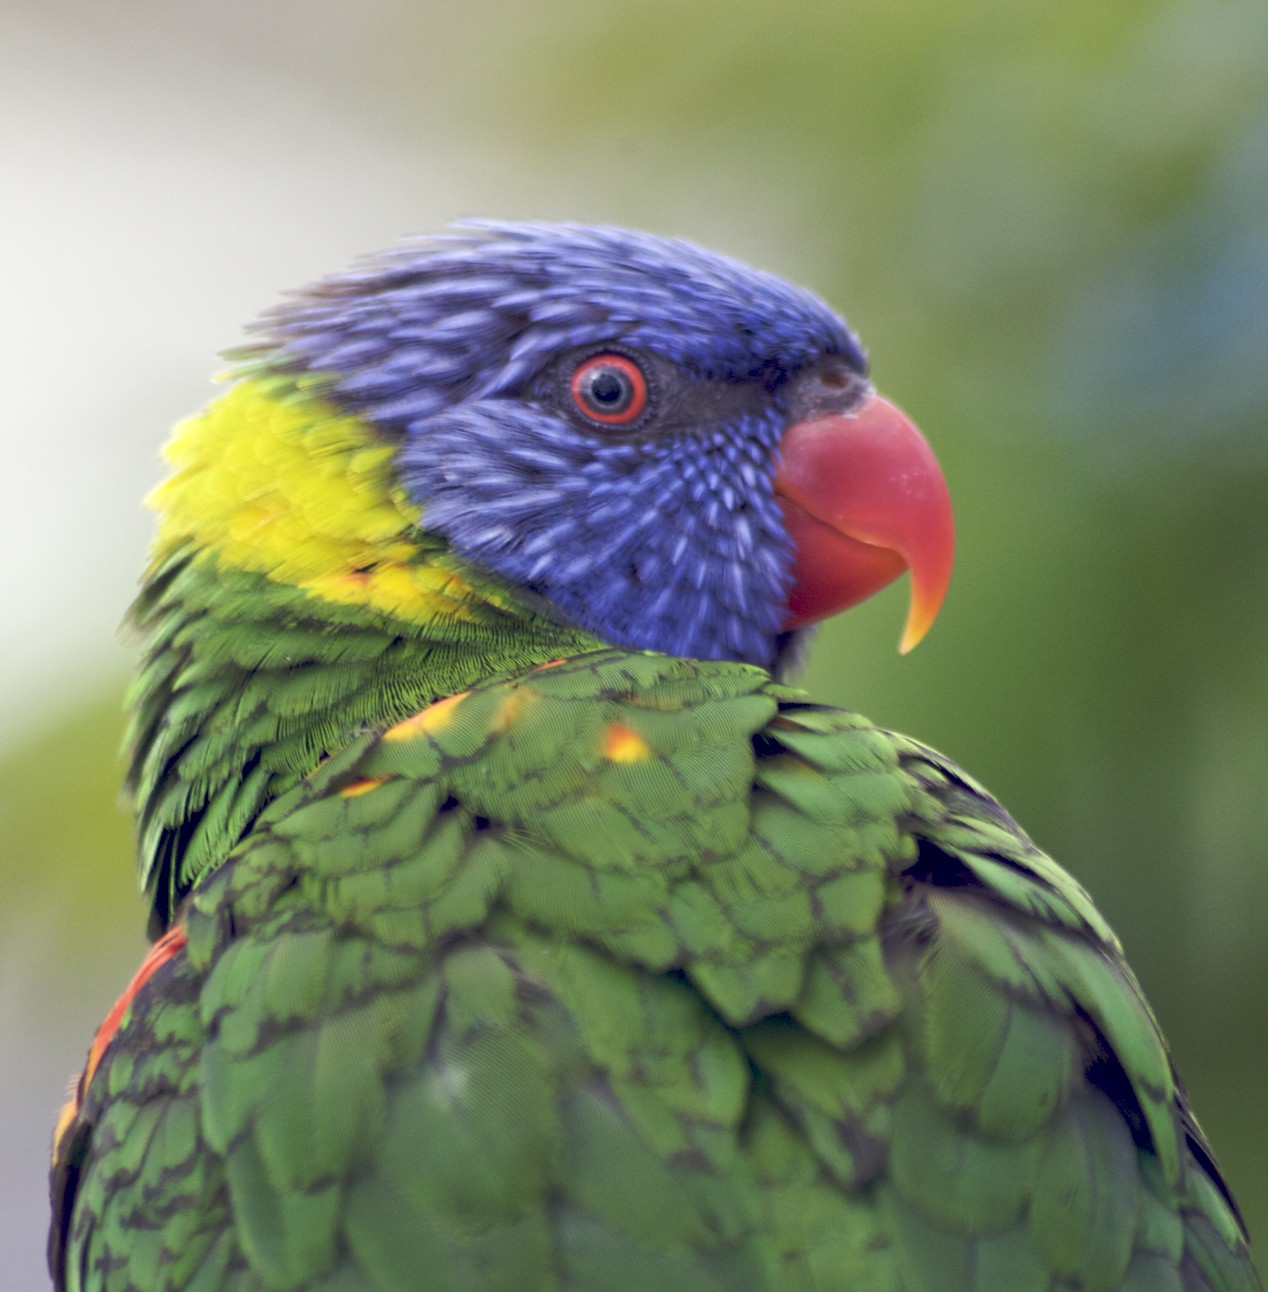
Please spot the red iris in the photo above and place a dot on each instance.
(610, 389)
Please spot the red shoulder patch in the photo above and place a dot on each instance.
(158, 955)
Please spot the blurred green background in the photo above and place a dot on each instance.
(1049, 223)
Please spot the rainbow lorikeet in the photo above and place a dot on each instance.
(516, 927)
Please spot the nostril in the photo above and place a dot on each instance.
(835, 378)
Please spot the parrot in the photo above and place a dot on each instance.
(516, 924)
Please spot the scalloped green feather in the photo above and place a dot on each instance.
(628, 972)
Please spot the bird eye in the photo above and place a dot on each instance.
(610, 389)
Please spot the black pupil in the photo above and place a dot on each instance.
(609, 389)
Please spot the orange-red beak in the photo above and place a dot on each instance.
(864, 499)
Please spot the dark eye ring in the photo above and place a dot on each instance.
(609, 389)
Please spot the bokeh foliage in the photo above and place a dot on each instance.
(1050, 225)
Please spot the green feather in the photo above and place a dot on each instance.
(635, 971)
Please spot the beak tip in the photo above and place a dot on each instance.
(913, 635)
(928, 592)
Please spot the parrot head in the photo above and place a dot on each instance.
(665, 448)
(483, 452)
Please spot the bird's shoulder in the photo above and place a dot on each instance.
(642, 928)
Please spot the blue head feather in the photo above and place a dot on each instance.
(668, 537)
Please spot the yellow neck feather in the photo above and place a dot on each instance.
(279, 482)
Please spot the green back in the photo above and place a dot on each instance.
(635, 973)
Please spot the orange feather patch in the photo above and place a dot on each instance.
(621, 745)
(158, 955)
(355, 789)
(435, 717)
